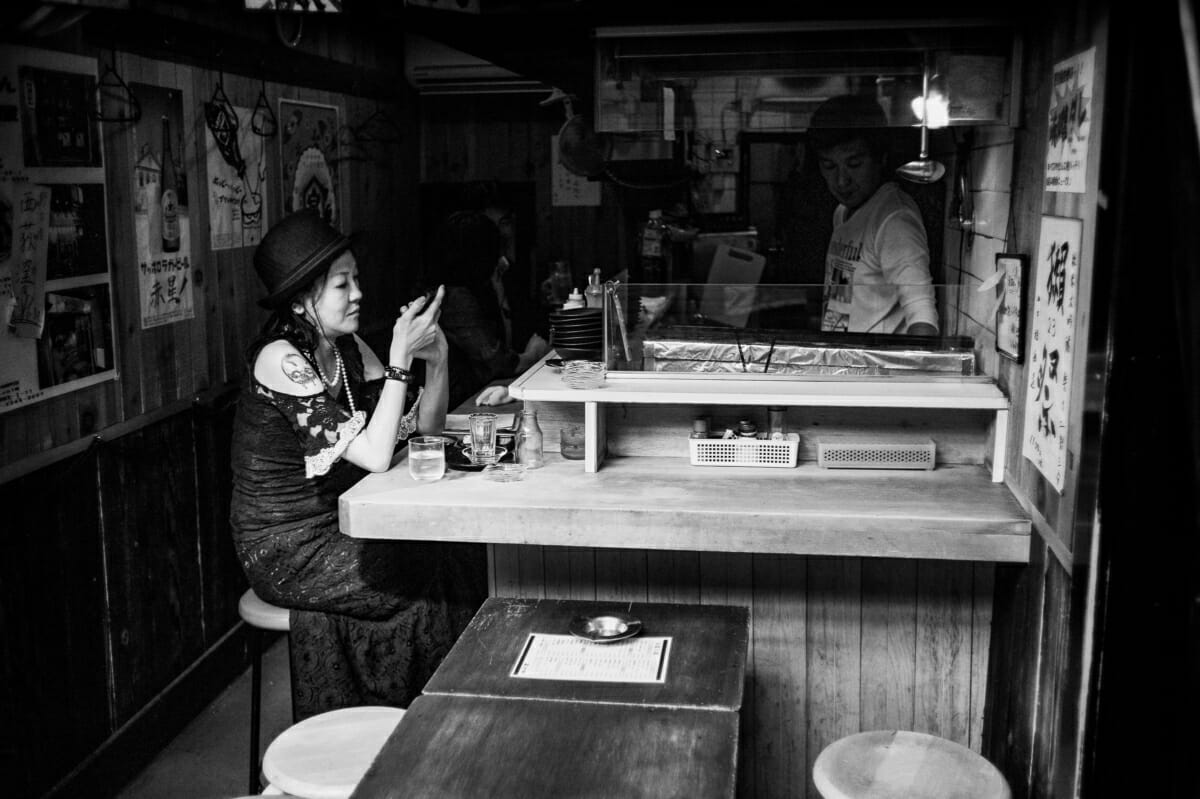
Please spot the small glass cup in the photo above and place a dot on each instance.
(483, 437)
(571, 443)
(427, 458)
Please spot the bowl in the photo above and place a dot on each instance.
(584, 374)
(505, 472)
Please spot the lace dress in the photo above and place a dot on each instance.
(370, 620)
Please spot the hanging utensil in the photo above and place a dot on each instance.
(923, 169)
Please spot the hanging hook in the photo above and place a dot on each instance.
(113, 88)
(263, 120)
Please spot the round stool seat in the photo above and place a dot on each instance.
(897, 764)
(325, 756)
(262, 614)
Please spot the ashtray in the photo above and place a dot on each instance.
(605, 627)
(469, 454)
(554, 363)
(459, 458)
(505, 472)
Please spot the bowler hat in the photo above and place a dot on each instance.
(293, 252)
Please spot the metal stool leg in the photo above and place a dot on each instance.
(255, 637)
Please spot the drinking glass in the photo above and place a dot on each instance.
(571, 443)
(483, 437)
(427, 458)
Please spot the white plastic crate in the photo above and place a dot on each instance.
(871, 454)
(745, 451)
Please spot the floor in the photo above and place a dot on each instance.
(208, 760)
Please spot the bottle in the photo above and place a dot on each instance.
(169, 197)
(747, 429)
(776, 429)
(593, 295)
(653, 260)
(529, 442)
(574, 300)
(699, 427)
(556, 287)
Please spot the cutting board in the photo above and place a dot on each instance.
(732, 286)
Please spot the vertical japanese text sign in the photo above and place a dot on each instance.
(1048, 399)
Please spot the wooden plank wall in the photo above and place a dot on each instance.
(837, 645)
(1033, 732)
(172, 363)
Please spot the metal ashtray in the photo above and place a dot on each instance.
(606, 627)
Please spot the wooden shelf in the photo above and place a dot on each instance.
(950, 513)
(542, 384)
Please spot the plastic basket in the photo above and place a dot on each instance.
(745, 451)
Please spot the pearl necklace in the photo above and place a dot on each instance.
(340, 374)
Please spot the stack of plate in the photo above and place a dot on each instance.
(584, 374)
(577, 333)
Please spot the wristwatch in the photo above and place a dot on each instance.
(396, 373)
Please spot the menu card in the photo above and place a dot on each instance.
(565, 657)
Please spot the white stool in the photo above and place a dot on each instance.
(325, 756)
(897, 764)
(259, 616)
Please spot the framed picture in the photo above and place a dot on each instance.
(1010, 315)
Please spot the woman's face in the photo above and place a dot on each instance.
(334, 306)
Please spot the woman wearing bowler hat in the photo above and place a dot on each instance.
(370, 620)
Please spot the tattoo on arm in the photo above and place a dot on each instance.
(298, 370)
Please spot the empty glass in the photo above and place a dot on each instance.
(571, 443)
(483, 437)
(427, 458)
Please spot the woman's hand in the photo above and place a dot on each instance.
(494, 395)
(416, 329)
(436, 352)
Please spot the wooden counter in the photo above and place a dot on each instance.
(950, 513)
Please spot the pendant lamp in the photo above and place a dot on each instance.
(923, 169)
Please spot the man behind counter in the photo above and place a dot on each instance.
(877, 265)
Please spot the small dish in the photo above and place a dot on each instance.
(554, 363)
(505, 472)
(458, 459)
(604, 628)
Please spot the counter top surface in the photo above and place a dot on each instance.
(953, 512)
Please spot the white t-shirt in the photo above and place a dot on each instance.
(877, 267)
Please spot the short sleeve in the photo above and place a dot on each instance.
(323, 428)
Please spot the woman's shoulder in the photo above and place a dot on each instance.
(281, 367)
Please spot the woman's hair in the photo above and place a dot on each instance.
(295, 328)
(464, 249)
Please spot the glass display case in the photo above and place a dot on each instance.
(764, 330)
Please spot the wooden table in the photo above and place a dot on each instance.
(449, 747)
(707, 666)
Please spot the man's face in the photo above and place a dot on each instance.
(851, 171)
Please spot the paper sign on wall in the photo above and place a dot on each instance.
(1070, 123)
(1048, 398)
(567, 188)
(237, 173)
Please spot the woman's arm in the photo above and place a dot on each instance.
(413, 332)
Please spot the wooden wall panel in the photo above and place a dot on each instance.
(837, 645)
(53, 662)
(147, 482)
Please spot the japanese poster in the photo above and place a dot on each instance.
(1048, 398)
(568, 189)
(160, 211)
(237, 170)
(1070, 123)
(308, 158)
(55, 308)
(27, 278)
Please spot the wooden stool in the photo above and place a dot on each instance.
(325, 756)
(259, 616)
(891, 764)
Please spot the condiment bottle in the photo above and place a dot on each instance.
(747, 429)
(529, 441)
(700, 427)
(776, 431)
(594, 293)
(574, 300)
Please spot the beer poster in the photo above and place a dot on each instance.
(308, 158)
(55, 304)
(1051, 347)
(237, 177)
(161, 223)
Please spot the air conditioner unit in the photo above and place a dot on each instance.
(434, 68)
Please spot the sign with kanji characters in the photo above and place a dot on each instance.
(1070, 123)
(55, 304)
(160, 212)
(1052, 341)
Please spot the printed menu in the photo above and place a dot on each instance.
(565, 657)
